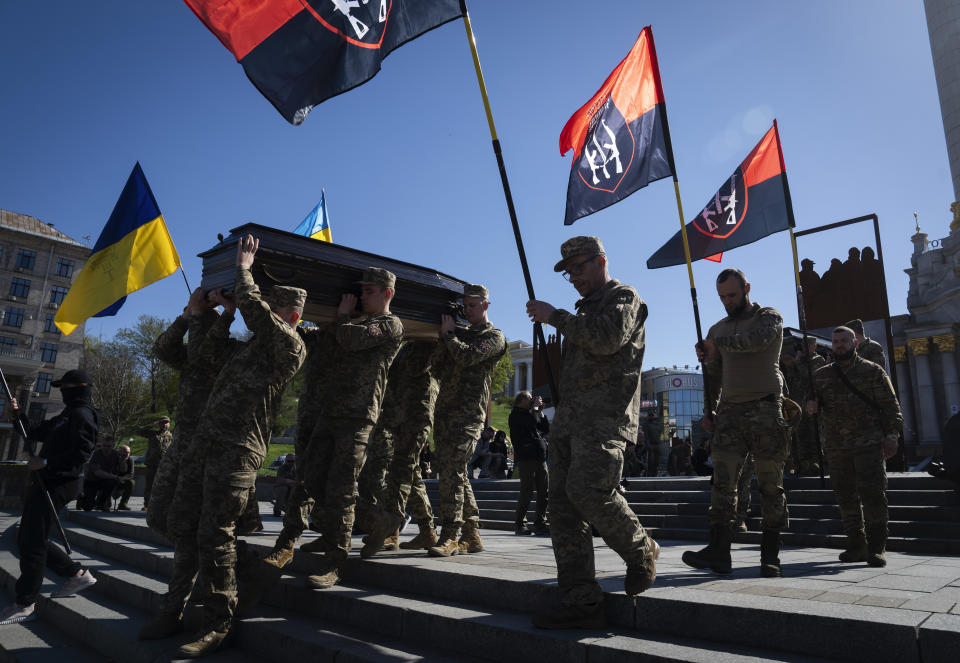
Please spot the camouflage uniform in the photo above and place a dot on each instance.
(852, 431)
(362, 356)
(464, 362)
(870, 350)
(744, 492)
(234, 432)
(320, 345)
(754, 425)
(158, 442)
(408, 412)
(603, 346)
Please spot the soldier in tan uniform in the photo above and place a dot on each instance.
(358, 378)
(741, 353)
(598, 414)
(464, 363)
(867, 348)
(860, 420)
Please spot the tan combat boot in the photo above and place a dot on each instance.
(282, 553)
(392, 542)
(161, 626)
(426, 539)
(470, 541)
(206, 644)
(324, 580)
(447, 545)
(640, 576)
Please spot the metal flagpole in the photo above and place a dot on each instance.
(189, 289)
(537, 327)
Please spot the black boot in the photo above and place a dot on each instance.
(877, 545)
(716, 556)
(770, 553)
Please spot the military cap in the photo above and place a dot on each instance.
(476, 290)
(579, 246)
(377, 276)
(807, 261)
(163, 420)
(74, 378)
(283, 295)
(856, 325)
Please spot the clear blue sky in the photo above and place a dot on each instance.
(90, 88)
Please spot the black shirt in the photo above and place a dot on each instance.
(527, 435)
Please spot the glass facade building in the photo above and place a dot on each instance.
(679, 402)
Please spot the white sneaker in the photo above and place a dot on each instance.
(75, 585)
(17, 614)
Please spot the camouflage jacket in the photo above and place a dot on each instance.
(871, 351)
(411, 388)
(464, 363)
(363, 354)
(320, 345)
(603, 346)
(747, 367)
(244, 398)
(846, 421)
(157, 445)
(197, 369)
(803, 390)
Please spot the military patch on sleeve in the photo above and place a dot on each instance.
(486, 346)
(376, 329)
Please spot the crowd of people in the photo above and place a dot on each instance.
(370, 400)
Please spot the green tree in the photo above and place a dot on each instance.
(502, 373)
(119, 392)
(139, 340)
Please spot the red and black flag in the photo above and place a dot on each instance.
(300, 52)
(620, 137)
(753, 203)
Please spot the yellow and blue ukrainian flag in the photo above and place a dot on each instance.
(317, 223)
(133, 250)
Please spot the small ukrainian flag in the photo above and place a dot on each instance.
(133, 250)
(317, 223)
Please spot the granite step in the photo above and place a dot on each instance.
(41, 642)
(285, 627)
(415, 584)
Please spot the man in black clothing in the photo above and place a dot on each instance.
(68, 440)
(528, 426)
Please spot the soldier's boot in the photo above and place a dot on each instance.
(856, 550)
(319, 545)
(330, 575)
(447, 545)
(282, 552)
(590, 616)
(207, 644)
(716, 556)
(426, 539)
(770, 554)
(640, 576)
(383, 526)
(392, 542)
(877, 546)
(470, 541)
(162, 626)
(255, 576)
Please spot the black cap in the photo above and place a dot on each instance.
(75, 378)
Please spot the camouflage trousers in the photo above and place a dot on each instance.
(756, 428)
(585, 469)
(299, 504)
(403, 485)
(455, 444)
(806, 436)
(335, 457)
(372, 480)
(744, 493)
(164, 486)
(859, 480)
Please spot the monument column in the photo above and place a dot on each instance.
(946, 345)
(926, 402)
(910, 432)
(943, 28)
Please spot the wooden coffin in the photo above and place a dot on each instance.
(326, 271)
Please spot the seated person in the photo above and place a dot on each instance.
(286, 480)
(481, 454)
(498, 454)
(101, 477)
(125, 480)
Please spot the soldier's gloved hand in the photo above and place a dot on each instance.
(811, 407)
(890, 445)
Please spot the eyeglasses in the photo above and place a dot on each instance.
(578, 268)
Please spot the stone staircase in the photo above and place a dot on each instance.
(924, 511)
(410, 607)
